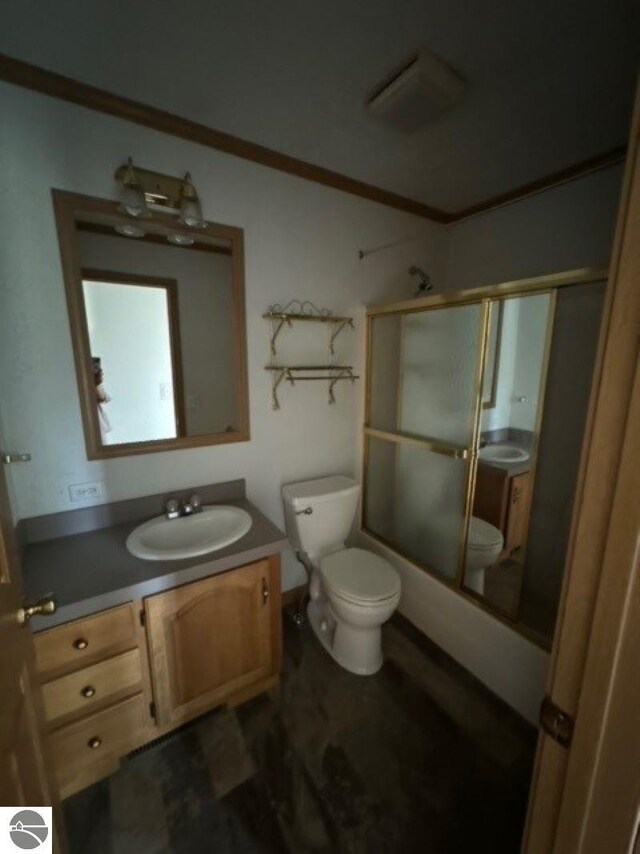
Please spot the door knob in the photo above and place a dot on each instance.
(42, 607)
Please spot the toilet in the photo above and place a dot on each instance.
(352, 591)
(484, 545)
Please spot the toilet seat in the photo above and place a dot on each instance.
(359, 576)
(483, 536)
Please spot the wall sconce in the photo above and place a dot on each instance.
(141, 188)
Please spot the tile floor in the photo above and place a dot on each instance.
(419, 758)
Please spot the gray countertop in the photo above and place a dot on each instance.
(506, 469)
(92, 571)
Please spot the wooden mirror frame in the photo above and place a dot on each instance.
(69, 208)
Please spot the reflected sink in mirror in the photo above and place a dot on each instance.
(503, 454)
(189, 536)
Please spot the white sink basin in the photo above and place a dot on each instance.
(503, 454)
(214, 528)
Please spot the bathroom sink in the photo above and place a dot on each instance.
(503, 454)
(213, 528)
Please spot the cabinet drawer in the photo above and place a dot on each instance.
(96, 740)
(74, 645)
(95, 686)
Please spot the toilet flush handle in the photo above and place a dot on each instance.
(306, 512)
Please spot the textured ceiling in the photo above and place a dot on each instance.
(550, 83)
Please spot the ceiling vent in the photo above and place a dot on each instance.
(417, 94)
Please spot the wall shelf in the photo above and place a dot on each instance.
(304, 312)
(294, 373)
(296, 311)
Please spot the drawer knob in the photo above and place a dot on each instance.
(95, 742)
(88, 692)
(81, 643)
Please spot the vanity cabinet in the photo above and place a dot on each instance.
(120, 678)
(504, 501)
(518, 503)
(95, 688)
(213, 640)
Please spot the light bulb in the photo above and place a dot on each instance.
(132, 198)
(190, 209)
(133, 202)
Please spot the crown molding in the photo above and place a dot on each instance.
(555, 179)
(46, 82)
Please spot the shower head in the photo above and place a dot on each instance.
(425, 282)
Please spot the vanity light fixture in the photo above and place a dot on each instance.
(141, 188)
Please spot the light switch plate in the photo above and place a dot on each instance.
(86, 491)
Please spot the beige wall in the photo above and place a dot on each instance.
(301, 241)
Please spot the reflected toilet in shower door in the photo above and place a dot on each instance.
(484, 545)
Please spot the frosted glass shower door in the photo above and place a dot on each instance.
(422, 412)
(424, 378)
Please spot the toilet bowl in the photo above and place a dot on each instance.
(352, 591)
(484, 545)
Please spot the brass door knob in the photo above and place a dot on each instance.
(81, 643)
(95, 742)
(88, 692)
(45, 606)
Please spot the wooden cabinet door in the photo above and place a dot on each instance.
(518, 513)
(490, 497)
(211, 639)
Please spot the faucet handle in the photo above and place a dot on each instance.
(196, 502)
(172, 508)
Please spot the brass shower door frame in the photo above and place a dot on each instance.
(486, 297)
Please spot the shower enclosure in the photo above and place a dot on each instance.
(469, 459)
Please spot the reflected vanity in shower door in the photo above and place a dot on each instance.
(474, 424)
(512, 398)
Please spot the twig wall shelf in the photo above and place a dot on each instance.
(293, 312)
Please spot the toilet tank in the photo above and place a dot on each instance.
(332, 501)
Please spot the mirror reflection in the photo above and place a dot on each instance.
(513, 389)
(529, 454)
(157, 318)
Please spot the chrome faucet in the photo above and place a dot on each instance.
(173, 510)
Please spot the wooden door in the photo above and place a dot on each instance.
(585, 797)
(25, 778)
(213, 638)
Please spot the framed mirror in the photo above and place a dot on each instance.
(157, 321)
(492, 358)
